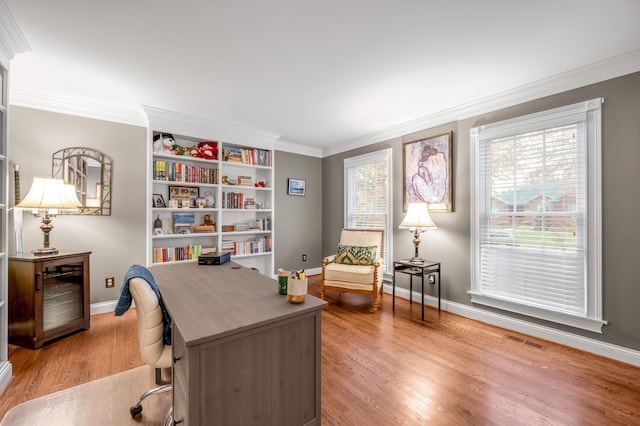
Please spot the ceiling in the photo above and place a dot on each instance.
(321, 74)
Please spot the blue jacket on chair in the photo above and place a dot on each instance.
(124, 302)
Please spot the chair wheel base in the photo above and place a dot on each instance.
(135, 411)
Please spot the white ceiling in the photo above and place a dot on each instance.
(323, 74)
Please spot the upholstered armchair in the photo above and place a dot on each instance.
(357, 267)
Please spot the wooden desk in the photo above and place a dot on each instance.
(242, 354)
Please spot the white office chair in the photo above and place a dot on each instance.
(150, 332)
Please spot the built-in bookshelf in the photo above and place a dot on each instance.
(5, 366)
(208, 194)
(11, 43)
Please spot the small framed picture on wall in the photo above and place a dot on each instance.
(295, 186)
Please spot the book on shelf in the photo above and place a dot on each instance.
(250, 203)
(252, 156)
(232, 154)
(159, 170)
(181, 172)
(205, 228)
(232, 200)
(263, 224)
(172, 254)
(241, 226)
(255, 246)
(245, 180)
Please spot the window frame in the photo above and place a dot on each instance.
(371, 157)
(591, 111)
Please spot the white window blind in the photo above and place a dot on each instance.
(532, 236)
(368, 194)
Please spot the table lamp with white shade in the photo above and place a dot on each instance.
(417, 220)
(47, 198)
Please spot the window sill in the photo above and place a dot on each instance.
(589, 324)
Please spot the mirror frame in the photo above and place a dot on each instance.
(61, 165)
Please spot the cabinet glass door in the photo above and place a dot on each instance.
(62, 298)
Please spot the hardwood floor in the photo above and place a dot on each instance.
(389, 368)
(110, 346)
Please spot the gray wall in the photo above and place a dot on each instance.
(451, 242)
(298, 219)
(116, 241)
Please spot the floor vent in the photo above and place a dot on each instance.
(534, 344)
(514, 338)
(526, 342)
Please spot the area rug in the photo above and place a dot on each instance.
(102, 402)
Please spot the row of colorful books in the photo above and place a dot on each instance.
(181, 172)
(232, 200)
(256, 157)
(172, 254)
(258, 245)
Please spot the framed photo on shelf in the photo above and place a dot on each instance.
(427, 172)
(295, 186)
(184, 193)
(158, 200)
(183, 223)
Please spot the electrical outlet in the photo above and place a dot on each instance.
(432, 279)
(109, 282)
(304, 257)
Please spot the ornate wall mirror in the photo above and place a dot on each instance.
(90, 171)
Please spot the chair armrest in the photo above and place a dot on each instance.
(329, 259)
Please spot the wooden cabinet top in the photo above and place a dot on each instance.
(30, 257)
(207, 302)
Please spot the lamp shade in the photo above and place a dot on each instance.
(417, 217)
(48, 193)
(71, 196)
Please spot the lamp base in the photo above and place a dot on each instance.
(416, 260)
(45, 251)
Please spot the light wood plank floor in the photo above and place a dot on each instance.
(389, 369)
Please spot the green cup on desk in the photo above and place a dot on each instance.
(283, 277)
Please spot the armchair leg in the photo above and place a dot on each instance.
(375, 299)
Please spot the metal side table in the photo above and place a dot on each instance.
(418, 269)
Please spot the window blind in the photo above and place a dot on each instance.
(532, 230)
(367, 193)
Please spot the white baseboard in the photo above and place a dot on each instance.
(102, 307)
(598, 347)
(5, 373)
(313, 271)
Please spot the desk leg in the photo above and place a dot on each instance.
(422, 275)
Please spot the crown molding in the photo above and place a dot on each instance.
(38, 100)
(613, 67)
(12, 41)
(295, 148)
(604, 70)
(190, 125)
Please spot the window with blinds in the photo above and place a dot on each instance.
(536, 202)
(368, 194)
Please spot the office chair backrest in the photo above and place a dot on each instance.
(150, 326)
